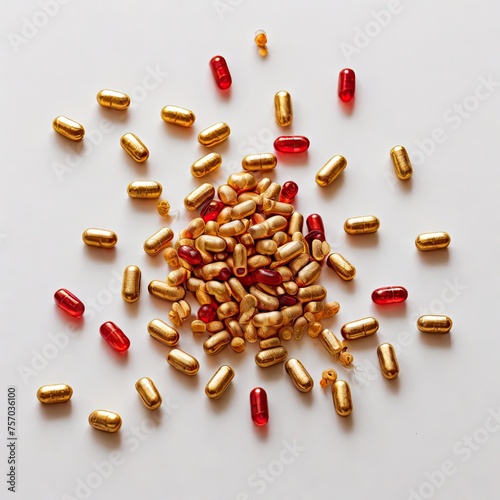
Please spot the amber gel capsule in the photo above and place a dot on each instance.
(258, 406)
(389, 295)
(69, 303)
(291, 144)
(114, 336)
(68, 128)
(347, 85)
(112, 99)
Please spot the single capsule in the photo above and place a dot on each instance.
(221, 73)
(55, 393)
(389, 295)
(267, 276)
(259, 408)
(114, 336)
(104, 420)
(259, 162)
(434, 324)
(178, 116)
(288, 192)
(199, 196)
(134, 147)
(287, 300)
(359, 328)
(291, 144)
(401, 162)
(432, 241)
(283, 108)
(163, 208)
(149, 393)
(271, 357)
(328, 377)
(362, 225)
(330, 170)
(342, 400)
(145, 190)
(215, 134)
(131, 284)
(210, 210)
(388, 361)
(158, 241)
(347, 85)
(112, 99)
(68, 128)
(206, 313)
(341, 266)
(162, 332)
(183, 362)
(260, 38)
(189, 254)
(206, 165)
(315, 223)
(101, 238)
(299, 375)
(218, 384)
(161, 290)
(69, 303)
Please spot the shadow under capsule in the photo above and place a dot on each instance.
(107, 255)
(436, 340)
(56, 411)
(114, 115)
(434, 257)
(108, 440)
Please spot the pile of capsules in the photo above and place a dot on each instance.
(247, 260)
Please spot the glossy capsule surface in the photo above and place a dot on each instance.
(134, 147)
(215, 134)
(114, 336)
(315, 223)
(54, 393)
(342, 400)
(158, 241)
(162, 332)
(183, 362)
(131, 284)
(259, 408)
(106, 421)
(389, 295)
(149, 393)
(259, 162)
(199, 196)
(271, 357)
(432, 241)
(221, 73)
(113, 99)
(267, 276)
(163, 291)
(178, 116)
(341, 266)
(388, 361)
(347, 85)
(359, 328)
(401, 162)
(365, 224)
(291, 144)
(330, 170)
(210, 210)
(206, 313)
(68, 128)
(145, 190)
(102, 238)
(299, 375)
(434, 324)
(189, 254)
(220, 381)
(283, 108)
(204, 166)
(69, 303)
(288, 192)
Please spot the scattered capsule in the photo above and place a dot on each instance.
(389, 295)
(104, 420)
(218, 384)
(340, 265)
(158, 241)
(199, 196)
(69, 303)
(134, 147)
(330, 170)
(342, 400)
(291, 144)
(332, 344)
(299, 375)
(359, 328)
(114, 336)
(259, 162)
(214, 134)
(315, 223)
(112, 99)
(102, 238)
(347, 85)
(271, 357)
(221, 73)
(362, 225)
(401, 162)
(434, 324)
(55, 393)
(288, 192)
(183, 362)
(149, 393)
(131, 284)
(206, 165)
(260, 38)
(217, 342)
(328, 377)
(432, 241)
(163, 208)
(163, 291)
(283, 108)
(68, 128)
(259, 408)
(178, 116)
(388, 361)
(210, 210)
(145, 190)
(162, 332)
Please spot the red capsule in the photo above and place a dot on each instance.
(247, 280)
(315, 223)
(114, 336)
(314, 235)
(291, 144)
(211, 210)
(389, 295)
(71, 304)
(287, 300)
(189, 254)
(221, 73)
(347, 84)
(207, 313)
(267, 276)
(288, 191)
(258, 406)
(224, 275)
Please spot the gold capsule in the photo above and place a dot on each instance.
(227, 195)
(238, 344)
(199, 196)
(134, 147)
(218, 384)
(273, 318)
(158, 241)
(260, 38)
(328, 377)
(269, 343)
(360, 328)
(308, 274)
(162, 332)
(288, 251)
(342, 400)
(240, 260)
(331, 170)
(295, 224)
(434, 324)
(401, 162)
(388, 361)
(299, 375)
(68, 128)
(283, 108)
(270, 357)
(342, 267)
(163, 208)
(242, 182)
(362, 225)
(112, 99)
(432, 241)
(266, 247)
(178, 116)
(259, 162)
(102, 238)
(216, 343)
(183, 362)
(131, 284)
(332, 344)
(243, 209)
(206, 165)
(271, 207)
(104, 420)
(149, 393)
(55, 393)
(161, 290)
(145, 190)
(214, 134)
(311, 292)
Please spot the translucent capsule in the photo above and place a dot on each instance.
(104, 420)
(389, 295)
(162, 332)
(388, 361)
(434, 324)
(158, 241)
(189, 254)
(131, 284)
(148, 393)
(271, 357)
(344, 269)
(112, 99)
(401, 162)
(211, 209)
(206, 165)
(260, 38)
(221, 73)
(365, 224)
(283, 108)
(259, 408)
(114, 336)
(291, 144)
(342, 400)
(432, 241)
(347, 85)
(163, 208)
(183, 362)
(359, 328)
(328, 377)
(288, 192)
(220, 381)
(331, 170)
(267, 276)
(299, 375)
(178, 116)
(199, 196)
(206, 313)
(69, 302)
(68, 128)
(102, 238)
(145, 190)
(134, 147)
(315, 223)
(259, 162)
(55, 393)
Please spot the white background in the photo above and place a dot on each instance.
(413, 75)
